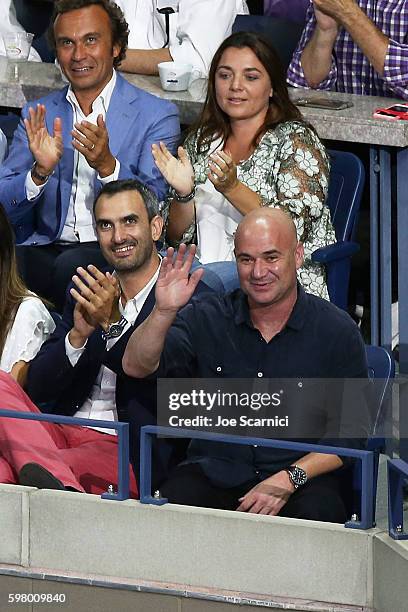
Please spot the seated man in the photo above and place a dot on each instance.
(186, 31)
(354, 46)
(73, 371)
(98, 129)
(269, 328)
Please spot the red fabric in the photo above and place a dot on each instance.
(82, 458)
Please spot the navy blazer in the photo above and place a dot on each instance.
(135, 120)
(58, 388)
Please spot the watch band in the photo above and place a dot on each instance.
(115, 329)
(183, 199)
(37, 175)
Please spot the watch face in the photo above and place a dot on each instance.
(115, 330)
(299, 476)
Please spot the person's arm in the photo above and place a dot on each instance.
(270, 495)
(317, 56)
(301, 175)
(144, 61)
(174, 288)
(179, 173)
(53, 371)
(19, 372)
(158, 121)
(31, 327)
(32, 141)
(193, 43)
(295, 74)
(331, 14)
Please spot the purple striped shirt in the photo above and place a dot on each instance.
(350, 70)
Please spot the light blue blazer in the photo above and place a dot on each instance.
(135, 120)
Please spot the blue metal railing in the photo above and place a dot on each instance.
(123, 442)
(365, 457)
(397, 475)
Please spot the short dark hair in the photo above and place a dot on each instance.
(119, 26)
(215, 123)
(149, 198)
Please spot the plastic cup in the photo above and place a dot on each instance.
(18, 45)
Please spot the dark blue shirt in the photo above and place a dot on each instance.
(215, 337)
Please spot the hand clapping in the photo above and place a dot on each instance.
(46, 149)
(222, 172)
(93, 142)
(179, 172)
(97, 295)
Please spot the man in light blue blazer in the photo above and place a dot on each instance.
(69, 144)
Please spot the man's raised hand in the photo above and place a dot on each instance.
(47, 149)
(174, 286)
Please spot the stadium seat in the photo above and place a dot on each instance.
(345, 190)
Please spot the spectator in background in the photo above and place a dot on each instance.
(250, 148)
(25, 322)
(9, 24)
(190, 32)
(354, 46)
(97, 129)
(293, 10)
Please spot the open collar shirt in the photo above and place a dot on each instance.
(79, 224)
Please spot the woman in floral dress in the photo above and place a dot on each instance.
(250, 148)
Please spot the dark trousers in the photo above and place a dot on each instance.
(319, 499)
(47, 270)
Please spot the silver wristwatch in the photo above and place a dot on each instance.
(297, 475)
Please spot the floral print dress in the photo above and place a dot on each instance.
(289, 169)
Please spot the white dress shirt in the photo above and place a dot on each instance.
(101, 404)
(9, 24)
(3, 146)
(197, 27)
(79, 224)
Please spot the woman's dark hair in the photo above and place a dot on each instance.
(12, 288)
(119, 26)
(214, 123)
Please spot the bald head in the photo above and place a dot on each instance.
(268, 256)
(272, 221)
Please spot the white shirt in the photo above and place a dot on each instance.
(197, 27)
(9, 24)
(101, 404)
(31, 327)
(79, 224)
(3, 146)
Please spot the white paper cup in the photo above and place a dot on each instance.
(175, 76)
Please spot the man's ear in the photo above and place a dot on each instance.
(156, 227)
(115, 50)
(299, 255)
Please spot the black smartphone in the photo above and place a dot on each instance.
(325, 103)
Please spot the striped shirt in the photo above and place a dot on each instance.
(350, 71)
